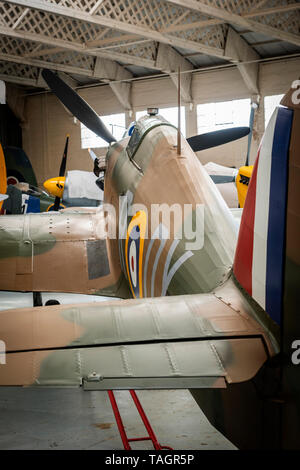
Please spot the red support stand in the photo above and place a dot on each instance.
(151, 436)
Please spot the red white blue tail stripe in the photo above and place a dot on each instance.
(259, 257)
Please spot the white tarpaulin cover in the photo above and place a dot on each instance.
(83, 184)
(215, 169)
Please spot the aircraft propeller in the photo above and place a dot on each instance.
(215, 138)
(77, 106)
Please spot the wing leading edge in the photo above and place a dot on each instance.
(191, 341)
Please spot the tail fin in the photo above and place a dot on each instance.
(260, 254)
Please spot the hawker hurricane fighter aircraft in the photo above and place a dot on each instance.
(202, 310)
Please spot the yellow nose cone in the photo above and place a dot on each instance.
(242, 183)
(55, 186)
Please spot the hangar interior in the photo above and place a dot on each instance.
(122, 57)
(104, 51)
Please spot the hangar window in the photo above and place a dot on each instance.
(270, 103)
(216, 116)
(115, 123)
(170, 114)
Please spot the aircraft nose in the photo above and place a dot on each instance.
(55, 186)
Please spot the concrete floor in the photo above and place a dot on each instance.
(74, 419)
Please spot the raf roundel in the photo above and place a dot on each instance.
(134, 252)
(133, 263)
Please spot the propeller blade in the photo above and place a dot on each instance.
(56, 204)
(92, 154)
(251, 122)
(215, 138)
(220, 179)
(77, 106)
(62, 169)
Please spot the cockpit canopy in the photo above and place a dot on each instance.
(140, 128)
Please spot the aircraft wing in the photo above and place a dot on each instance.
(66, 251)
(189, 341)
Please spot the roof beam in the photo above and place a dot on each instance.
(108, 70)
(24, 13)
(195, 24)
(270, 11)
(111, 71)
(104, 69)
(47, 65)
(68, 80)
(75, 46)
(112, 40)
(253, 13)
(119, 25)
(238, 48)
(115, 71)
(122, 91)
(95, 7)
(258, 5)
(40, 82)
(239, 20)
(123, 57)
(37, 52)
(113, 46)
(18, 80)
(168, 60)
(218, 15)
(263, 43)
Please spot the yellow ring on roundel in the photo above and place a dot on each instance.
(139, 223)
